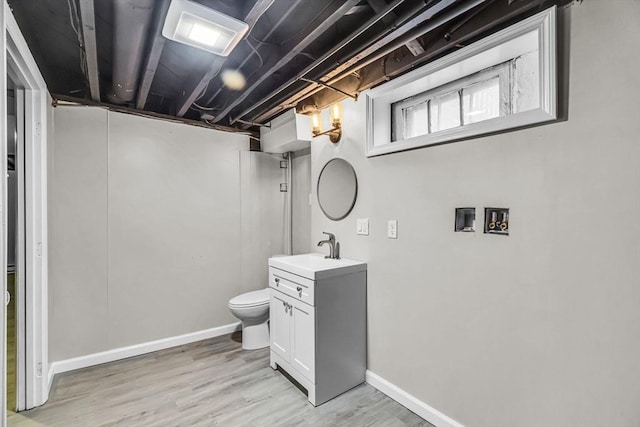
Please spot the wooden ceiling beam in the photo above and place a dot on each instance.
(318, 27)
(409, 30)
(487, 20)
(414, 46)
(197, 86)
(321, 64)
(153, 58)
(88, 27)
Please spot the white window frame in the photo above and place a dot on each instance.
(500, 71)
(486, 53)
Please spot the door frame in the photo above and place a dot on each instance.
(18, 62)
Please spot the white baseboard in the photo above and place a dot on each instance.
(410, 402)
(50, 374)
(136, 350)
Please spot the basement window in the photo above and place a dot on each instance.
(504, 81)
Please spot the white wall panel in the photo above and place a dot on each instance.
(174, 228)
(79, 236)
(145, 230)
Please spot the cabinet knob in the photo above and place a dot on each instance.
(277, 281)
(299, 289)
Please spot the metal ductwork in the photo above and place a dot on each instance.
(132, 19)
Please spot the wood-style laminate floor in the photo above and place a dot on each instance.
(208, 383)
(11, 342)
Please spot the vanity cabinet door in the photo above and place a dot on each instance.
(303, 340)
(279, 325)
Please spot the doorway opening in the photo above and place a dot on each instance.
(31, 106)
(15, 260)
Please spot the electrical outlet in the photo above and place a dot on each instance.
(362, 226)
(392, 229)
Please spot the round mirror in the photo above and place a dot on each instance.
(337, 189)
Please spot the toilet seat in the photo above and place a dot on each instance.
(250, 299)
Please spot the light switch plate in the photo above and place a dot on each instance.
(362, 226)
(392, 229)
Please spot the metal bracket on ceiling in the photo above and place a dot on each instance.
(354, 97)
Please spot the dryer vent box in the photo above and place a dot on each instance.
(287, 132)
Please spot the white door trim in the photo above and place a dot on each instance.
(18, 61)
(3, 215)
(20, 282)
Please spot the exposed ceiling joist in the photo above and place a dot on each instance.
(197, 86)
(387, 44)
(373, 74)
(299, 53)
(323, 23)
(153, 58)
(413, 45)
(253, 11)
(87, 18)
(399, 33)
(380, 16)
(274, 28)
(402, 31)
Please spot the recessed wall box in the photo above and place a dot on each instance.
(465, 220)
(496, 221)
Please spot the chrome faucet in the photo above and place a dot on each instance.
(334, 247)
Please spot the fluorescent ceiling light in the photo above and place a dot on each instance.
(204, 35)
(198, 26)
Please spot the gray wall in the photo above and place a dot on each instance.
(78, 229)
(145, 223)
(263, 208)
(538, 328)
(300, 191)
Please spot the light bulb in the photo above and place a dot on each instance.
(316, 123)
(336, 115)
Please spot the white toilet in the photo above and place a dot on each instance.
(252, 308)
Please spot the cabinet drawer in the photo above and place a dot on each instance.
(297, 287)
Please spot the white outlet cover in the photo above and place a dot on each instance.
(392, 229)
(362, 226)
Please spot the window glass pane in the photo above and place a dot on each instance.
(526, 82)
(481, 101)
(416, 120)
(445, 111)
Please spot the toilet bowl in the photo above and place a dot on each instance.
(252, 308)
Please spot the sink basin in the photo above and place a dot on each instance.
(315, 266)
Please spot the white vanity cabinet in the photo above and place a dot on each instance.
(318, 322)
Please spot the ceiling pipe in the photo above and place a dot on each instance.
(91, 52)
(298, 47)
(194, 88)
(478, 28)
(132, 20)
(273, 29)
(391, 44)
(153, 58)
(407, 26)
(304, 73)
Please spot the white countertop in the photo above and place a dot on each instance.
(315, 266)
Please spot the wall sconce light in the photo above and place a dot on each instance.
(335, 133)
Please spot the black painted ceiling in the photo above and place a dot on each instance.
(287, 59)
